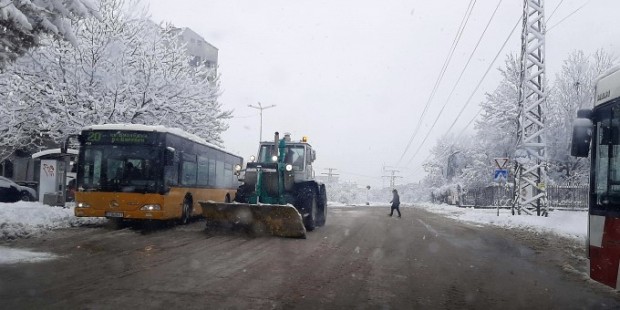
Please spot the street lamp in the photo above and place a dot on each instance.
(261, 108)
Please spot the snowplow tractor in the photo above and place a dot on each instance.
(279, 194)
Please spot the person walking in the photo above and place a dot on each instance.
(395, 203)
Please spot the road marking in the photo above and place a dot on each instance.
(429, 228)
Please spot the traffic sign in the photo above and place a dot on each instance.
(500, 175)
(501, 163)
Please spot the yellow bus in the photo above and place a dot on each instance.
(139, 172)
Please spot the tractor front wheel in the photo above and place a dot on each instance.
(311, 207)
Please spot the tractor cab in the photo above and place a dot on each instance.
(298, 154)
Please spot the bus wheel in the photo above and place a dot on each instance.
(186, 214)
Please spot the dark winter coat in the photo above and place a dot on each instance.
(396, 200)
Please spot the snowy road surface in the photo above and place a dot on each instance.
(361, 259)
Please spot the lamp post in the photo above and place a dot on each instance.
(261, 108)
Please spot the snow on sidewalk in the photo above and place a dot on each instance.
(12, 256)
(27, 219)
(571, 224)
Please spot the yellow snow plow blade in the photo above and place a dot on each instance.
(278, 220)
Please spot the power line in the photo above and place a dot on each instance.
(359, 175)
(392, 176)
(446, 151)
(556, 8)
(475, 90)
(455, 42)
(471, 55)
(330, 175)
(569, 15)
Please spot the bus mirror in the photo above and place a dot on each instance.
(582, 135)
(584, 113)
(169, 158)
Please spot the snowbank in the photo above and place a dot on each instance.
(571, 224)
(27, 219)
(12, 256)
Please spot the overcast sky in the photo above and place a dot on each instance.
(355, 75)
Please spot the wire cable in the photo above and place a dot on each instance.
(556, 8)
(475, 89)
(471, 55)
(455, 42)
(569, 15)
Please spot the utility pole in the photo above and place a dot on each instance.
(530, 156)
(261, 108)
(392, 175)
(330, 174)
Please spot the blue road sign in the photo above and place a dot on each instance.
(500, 175)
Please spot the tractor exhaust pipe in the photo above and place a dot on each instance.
(275, 144)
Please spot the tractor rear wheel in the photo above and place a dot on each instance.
(322, 209)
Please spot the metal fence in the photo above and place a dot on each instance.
(487, 196)
(560, 197)
(568, 197)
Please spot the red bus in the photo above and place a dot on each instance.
(598, 130)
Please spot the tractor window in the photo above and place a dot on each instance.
(265, 154)
(295, 156)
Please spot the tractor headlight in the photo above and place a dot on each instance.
(289, 167)
(237, 167)
(83, 205)
(252, 158)
(151, 208)
(274, 158)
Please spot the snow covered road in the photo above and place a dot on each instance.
(361, 259)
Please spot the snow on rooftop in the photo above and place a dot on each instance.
(156, 128)
(53, 151)
(29, 219)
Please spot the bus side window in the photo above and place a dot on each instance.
(171, 175)
(189, 173)
(212, 172)
(203, 171)
(220, 180)
(228, 174)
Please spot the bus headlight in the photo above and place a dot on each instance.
(289, 167)
(252, 158)
(151, 208)
(82, 205)
(274, 158)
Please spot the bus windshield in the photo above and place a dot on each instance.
(607, 156)
(120, 168)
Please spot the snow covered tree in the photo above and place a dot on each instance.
(497, 126)
(124, 69)
(573, 90)
(24, 22)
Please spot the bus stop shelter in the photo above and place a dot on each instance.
(54, 175)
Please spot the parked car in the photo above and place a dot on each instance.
(13, 192)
